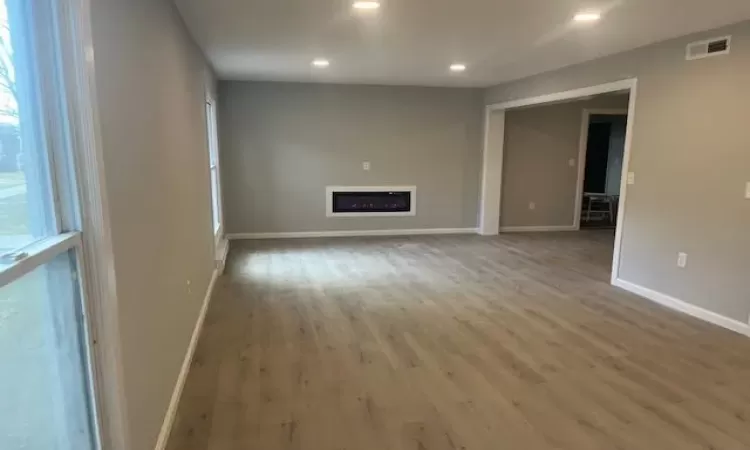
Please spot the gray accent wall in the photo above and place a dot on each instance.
(283, 143)
(691, 158)
(151, 82)
(539, 143)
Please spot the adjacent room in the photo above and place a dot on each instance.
(562, 165)
(368, 225)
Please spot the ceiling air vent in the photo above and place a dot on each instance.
(709, 47)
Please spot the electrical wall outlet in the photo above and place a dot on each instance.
(631, 177)
(366, 165)
(682, 260)
(747, 190)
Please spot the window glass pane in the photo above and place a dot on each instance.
(26, 205)
(213, 151)
(44, 401)
(210, 132)
(216, 207)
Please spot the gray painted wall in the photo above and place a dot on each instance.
(151, 81)
(691, 157)
(283, 143)
(539, 143)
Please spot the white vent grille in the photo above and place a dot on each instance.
(709, 47)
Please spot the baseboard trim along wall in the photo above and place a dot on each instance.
(684, 307)
(350, 233)
(169, 418)
(537, 229)
(221, 256)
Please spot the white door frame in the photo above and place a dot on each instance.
(583, 153)
(494, 141)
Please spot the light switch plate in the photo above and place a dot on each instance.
(532, 206)
(747, 190)
(631, 177)
(682, 260)
(572, 162)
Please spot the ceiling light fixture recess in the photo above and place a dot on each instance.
(319, 62)
(587, 16)
(369, 5)
(457, 67)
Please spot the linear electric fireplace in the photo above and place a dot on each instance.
(373, 201)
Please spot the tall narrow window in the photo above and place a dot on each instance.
(45, 394)
(213, 151)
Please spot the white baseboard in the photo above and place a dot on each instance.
(351, 233)
(684, 307)
(221, 255)
(166, 428)
(537, 229)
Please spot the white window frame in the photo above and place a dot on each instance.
(214, 164)
(57, 52)
(98, 274)
(63, 51)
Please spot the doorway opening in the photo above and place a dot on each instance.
(602, 154)
(557, 161)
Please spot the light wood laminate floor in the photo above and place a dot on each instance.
(454, 343)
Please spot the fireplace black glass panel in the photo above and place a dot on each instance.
(371, 202)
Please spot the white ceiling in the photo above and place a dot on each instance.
(414, 41)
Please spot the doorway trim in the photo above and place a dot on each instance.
(494, 141)
(583, 153)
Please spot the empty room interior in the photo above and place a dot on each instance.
(374, 225)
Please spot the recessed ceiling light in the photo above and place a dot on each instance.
(366, 5)
(458, 67)
(321, 63)
(587, 16)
